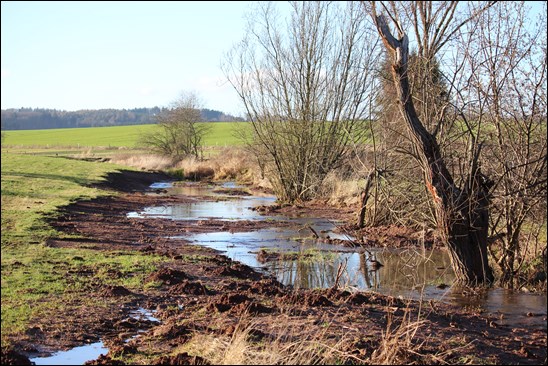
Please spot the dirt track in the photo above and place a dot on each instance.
(204, 293)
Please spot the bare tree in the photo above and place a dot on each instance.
(180, 132)
(461, 211)
(400, 192)
(305, 90)
(503, 95)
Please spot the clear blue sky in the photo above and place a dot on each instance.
(93, 55)
(127, 54)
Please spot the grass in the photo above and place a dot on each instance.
(33, 187)
(221, 134)
(288, 347)
(285, 343)
(25, 199)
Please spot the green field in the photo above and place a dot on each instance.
(36, 180)
(221, 134)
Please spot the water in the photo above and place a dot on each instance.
(225, 208)
(75, 356)
(235, 210)
(144, 314)
(161, 185)
(79, 355)
(308, 263)
(318, 264)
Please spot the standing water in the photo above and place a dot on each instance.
(295, 259)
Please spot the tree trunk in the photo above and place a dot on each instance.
(365, 198)
(462, 215)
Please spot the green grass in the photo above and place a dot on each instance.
(221, 134)
(35, 185)
(34, 276)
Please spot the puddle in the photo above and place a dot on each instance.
(223, 210)
(408, 274)
(80, 355)
(319, 263)
(75, 356)
(144, 314)
(231, 185)
(227, 207)
(161, 185)
(516, 308)
(309, 263)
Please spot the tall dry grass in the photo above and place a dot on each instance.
(397, 345)
(143, 161)
(228, 163)
(340, 189)
(287, 347)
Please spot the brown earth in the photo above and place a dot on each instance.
(200, 292)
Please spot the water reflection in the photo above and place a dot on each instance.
(513, 308)
(75, 356)
(401, 271)
(319, 265)
(239, 209)
(414, 274)
(80, 355)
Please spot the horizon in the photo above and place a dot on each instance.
(98, 109)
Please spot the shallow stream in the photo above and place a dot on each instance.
(309, 263)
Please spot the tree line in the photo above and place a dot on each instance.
(39, 118)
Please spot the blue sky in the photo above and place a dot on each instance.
(92, 55)
(127, 54)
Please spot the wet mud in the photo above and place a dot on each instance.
(198, 291)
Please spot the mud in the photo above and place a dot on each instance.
(200, 292)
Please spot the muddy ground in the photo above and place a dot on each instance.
(200, 293)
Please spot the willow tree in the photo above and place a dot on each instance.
(461, 210)
(305, 86)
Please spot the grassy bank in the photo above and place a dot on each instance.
(34, 277)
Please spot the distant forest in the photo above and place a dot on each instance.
(35, 119)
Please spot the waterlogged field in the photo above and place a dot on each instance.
(220, 134)
(33, 274)
(57, 287)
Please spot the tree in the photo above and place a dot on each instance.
(306, 90)
(461, 211)
(504, 96)
(180, 132)
(400, 193)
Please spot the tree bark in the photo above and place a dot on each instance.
(462, 214)
(365, 198)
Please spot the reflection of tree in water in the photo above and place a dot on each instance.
(305, 273)
(400, 270)
(367, 274)
(410, 268)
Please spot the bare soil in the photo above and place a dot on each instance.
(201, 292)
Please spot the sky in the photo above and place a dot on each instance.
(128, 54)
(94, 55)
